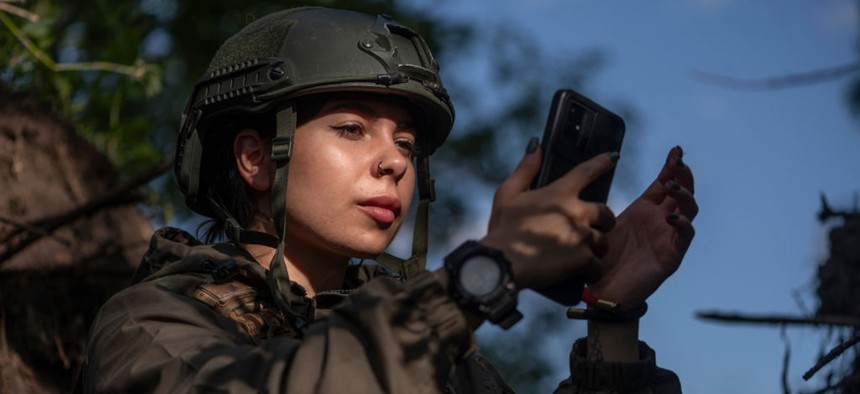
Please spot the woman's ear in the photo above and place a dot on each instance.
(252, 159)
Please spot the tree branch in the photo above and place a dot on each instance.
(786, 357)
(6, 7)
(120, 195)
(781, 82)
(820, 320)
(838, 350)
(30, 228)
(136, 71)
(27, 43)
(782, 320)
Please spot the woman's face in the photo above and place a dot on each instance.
(351, 177)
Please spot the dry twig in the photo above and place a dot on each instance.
(136, 71)
(830, 356)
(781, 82)
(820, 320)
(781, 320)
(21, 238)
(6, 7)
(786, 357)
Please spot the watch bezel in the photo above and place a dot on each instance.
(499, 305)
(480, 275)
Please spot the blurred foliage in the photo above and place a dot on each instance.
(120, 71)
(79, 59)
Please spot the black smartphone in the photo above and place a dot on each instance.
(577, 130)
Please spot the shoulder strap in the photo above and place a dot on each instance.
(241, 303)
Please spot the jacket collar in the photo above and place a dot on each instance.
(175, 251)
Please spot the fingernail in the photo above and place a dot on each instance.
(679, 160)
(614, 156)
(532, 146)
(672, 216)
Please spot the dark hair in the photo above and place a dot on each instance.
(219, 171)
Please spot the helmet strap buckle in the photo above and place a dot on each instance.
(282, 148)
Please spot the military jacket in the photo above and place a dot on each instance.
(200, 318)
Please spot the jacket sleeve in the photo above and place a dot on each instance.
(642, 377)
(387, 337)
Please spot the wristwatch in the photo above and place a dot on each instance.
(482, 281)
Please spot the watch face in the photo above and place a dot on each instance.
(480, 275)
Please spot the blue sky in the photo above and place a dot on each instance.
(761, 159)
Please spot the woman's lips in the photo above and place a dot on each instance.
(382, 209)
(380, 215)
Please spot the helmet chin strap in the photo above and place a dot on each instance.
(276, 276)
(417, 263)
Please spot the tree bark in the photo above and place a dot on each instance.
(53, 285)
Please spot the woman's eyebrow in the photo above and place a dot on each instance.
(369, 111)
(361, 108)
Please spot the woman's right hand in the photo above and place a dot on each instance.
(549, 234)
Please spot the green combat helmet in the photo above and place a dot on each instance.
(300, 52)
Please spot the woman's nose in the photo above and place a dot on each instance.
(391, 160)
(391, 163)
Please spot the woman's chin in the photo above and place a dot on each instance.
(372, 246)
(366, 255)
(361, 244)
(366, 250)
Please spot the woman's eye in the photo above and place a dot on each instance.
(348, 129)
(406, 146)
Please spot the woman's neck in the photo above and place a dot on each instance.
(313, 269)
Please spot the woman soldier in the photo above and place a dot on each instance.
(304, 142)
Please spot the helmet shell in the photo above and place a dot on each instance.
(306, 51)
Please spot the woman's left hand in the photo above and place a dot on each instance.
(650, 237)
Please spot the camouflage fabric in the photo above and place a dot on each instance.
(200, 319)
